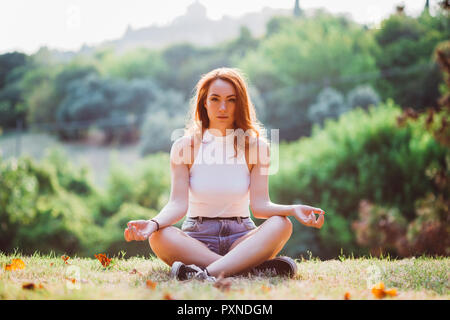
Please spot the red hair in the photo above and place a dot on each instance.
(245, 115)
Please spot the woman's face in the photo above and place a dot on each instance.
(221, 104)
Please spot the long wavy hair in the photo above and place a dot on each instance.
(245, 114)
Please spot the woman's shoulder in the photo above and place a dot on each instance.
(183, 141)
(181, 149)
(185, 147)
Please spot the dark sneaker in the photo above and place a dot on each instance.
(280, 266)
(183, 272)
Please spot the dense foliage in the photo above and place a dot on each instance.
(53, 206)
(362, 155)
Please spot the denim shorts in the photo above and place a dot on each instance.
(218, 234)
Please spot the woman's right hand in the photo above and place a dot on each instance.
(139, 230)
(305, 215)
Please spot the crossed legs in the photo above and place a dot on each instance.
(171, 244)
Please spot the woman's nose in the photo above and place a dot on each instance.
(222, 106)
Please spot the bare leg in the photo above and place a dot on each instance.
(171, 244)
(254, 248)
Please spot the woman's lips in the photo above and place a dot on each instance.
(222, 117)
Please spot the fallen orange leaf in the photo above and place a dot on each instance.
(379, 292)
(391, 292)
(347, 296)
(104, 260)
(73, 280)
(65, 258)
(16, 264)
(168, 296)
(151, 285)
(265, 289)
(31, 286)
(9, 267)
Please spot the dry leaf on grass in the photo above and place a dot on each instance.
(168, 296)
(65, 258)
(31, 286)
(16, 264)
(151, 285)
(379, 291)
(265, 289)
(104, 260)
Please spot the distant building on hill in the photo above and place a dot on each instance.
(297, 10)
(195, 27)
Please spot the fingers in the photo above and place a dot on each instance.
(131, 233)
(319, 221)
(306, 215)
(312, 219)
(318, 211)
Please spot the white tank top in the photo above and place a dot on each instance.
(218, 181)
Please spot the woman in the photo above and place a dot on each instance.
(218, 235)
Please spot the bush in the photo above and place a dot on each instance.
(330, 104)
(362, 97)
(380, 229)
(147, 185)
(37, 213)
(362, 155)
(165, 114)
(73, 179)
(115, 105)
(52, 206)
(157, 132)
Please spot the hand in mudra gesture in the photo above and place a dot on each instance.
(139, 230)
(306, 215)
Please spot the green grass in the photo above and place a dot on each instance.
(419, 278)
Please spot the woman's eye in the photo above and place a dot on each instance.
(232, 100)
(214, 99)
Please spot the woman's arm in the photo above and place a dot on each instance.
(177, 205)
(260, 204)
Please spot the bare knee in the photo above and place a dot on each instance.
(158, 238)
(283, 224)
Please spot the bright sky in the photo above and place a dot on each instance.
(68, 24)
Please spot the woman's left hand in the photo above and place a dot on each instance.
(306, 215)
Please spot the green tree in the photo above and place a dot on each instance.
(362, 155)
(12, 107)
(409, 75)
(291, 66)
